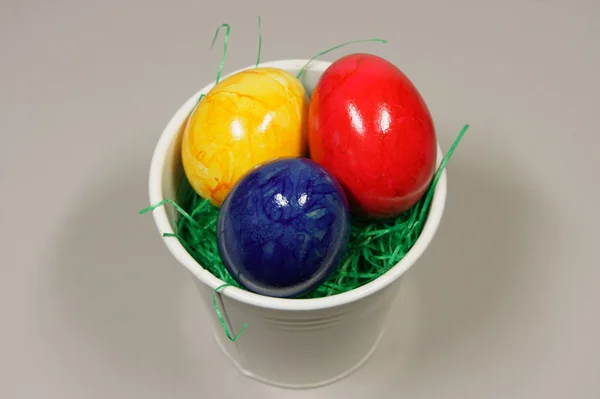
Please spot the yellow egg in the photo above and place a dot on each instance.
(248, 118)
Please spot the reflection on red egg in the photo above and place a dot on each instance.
(370, 128)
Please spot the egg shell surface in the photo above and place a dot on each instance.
(284, 228)
(370, 127)
(246, 119)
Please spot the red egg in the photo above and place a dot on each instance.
(371, 129)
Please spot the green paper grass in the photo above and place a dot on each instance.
(375, 245)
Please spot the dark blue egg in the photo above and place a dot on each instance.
(284, 228)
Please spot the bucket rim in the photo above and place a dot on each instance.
(156, 176)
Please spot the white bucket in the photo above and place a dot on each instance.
(289, 343)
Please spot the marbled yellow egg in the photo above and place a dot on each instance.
(248, 118)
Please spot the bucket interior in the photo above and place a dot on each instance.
(172, 176)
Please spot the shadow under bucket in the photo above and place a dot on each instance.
(293, 343)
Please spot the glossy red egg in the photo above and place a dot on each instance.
(371, 129)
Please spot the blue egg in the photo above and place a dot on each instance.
(284, 228)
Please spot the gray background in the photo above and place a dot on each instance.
(505, 303)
